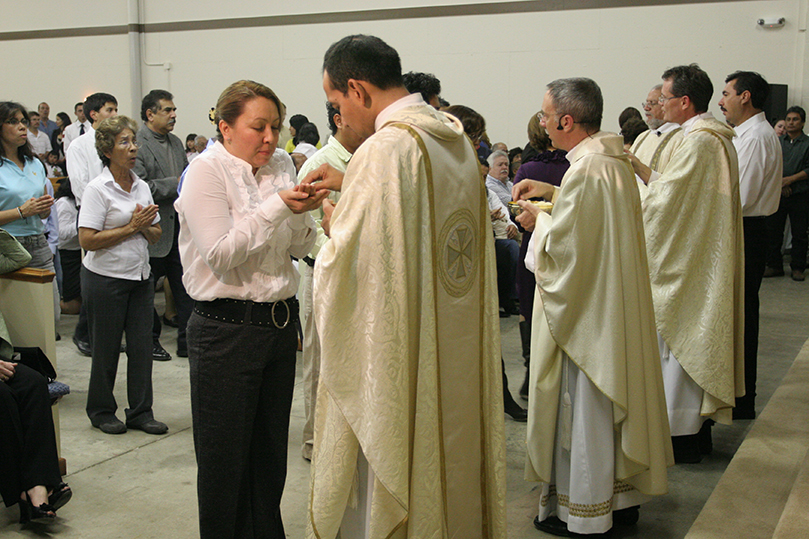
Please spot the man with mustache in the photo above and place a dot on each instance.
(760, 165)
(160, 162)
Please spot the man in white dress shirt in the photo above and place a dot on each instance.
(77, 128)
(760, 168)
(40, 142)
(83, 166)
(83, 163)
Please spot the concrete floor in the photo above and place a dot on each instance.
(141, 486)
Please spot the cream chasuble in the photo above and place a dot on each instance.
(655, 151)
(693, 224)
(406, 308)
(594, 305)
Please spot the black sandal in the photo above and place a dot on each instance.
(60, 496)
(30, 513)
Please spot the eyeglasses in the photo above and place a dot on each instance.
(649, 104)
(662, 99)
(14, 121)
(543, 116)
(126, 143)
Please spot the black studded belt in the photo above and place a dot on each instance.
(277, 314)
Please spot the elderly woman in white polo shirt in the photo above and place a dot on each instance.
(118, 219)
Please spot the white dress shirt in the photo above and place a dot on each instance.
(236, 233)
(665, 128)
(105, 206)
(83, 163)
(41, 143)
(500, 225)
(68, 223)
(73, 131)
(761, 166)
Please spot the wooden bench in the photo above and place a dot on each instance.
(26, 302)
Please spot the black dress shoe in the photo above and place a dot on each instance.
(83, 347)
(743, 413)
(112, 426)
(159, 353)
(518, 414)
(174, 321)
(182, 352)
(552, 525)
(153, 426)
(626, 517)
(686, 449)
(704, 438)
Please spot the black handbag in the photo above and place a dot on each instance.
(35, 358)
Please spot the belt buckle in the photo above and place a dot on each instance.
(289, 314)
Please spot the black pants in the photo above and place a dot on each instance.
(242, 378)
(526, 282)
(171, 267)
(115, 306)
(71, 274)
(507, 253)
(797, 208)
(28, 454)
(755, 257)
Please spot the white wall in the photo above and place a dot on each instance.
(498, 63)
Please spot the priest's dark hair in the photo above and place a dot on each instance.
(424, 83)
(580, 98)
(365, 58)
(331, 111)
(151, 101)
(96, 102)
(693, 82)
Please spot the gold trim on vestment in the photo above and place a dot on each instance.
(434, 247)
(656, 157)
(584, 510)
(484, 495)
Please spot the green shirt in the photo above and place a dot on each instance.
(796, 159)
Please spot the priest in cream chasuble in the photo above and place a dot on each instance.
(692, 217)
(409, 435)
(598, 436)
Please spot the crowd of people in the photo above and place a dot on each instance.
(633, 262)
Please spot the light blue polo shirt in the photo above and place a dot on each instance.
(16, 187)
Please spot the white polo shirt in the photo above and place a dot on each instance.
(105, 206)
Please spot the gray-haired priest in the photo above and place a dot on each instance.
(598, 436)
